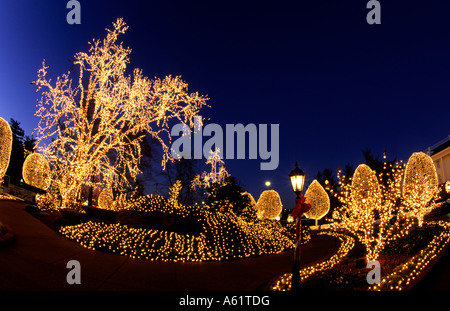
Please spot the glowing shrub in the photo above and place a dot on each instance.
(269, 205)
(36, 171)
(319, 200)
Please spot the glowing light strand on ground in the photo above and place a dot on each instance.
(406, 273)
(283, 283)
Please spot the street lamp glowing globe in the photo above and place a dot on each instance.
(268, 183)
(297, 177)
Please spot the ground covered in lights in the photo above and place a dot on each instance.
(190, 234)
(401, 262)
(199, 234)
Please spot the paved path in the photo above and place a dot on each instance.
(37, 261)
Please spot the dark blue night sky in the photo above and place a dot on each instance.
(335, 84)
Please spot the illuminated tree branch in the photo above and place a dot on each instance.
(94, 127)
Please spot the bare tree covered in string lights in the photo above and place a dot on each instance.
(93, 126)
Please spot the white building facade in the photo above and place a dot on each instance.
(440, 153)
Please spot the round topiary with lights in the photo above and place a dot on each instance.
(420, 184)
(269, 205)
(106, 199)
(5, 146)
(319, 200)
(365, 192)
(36, 171)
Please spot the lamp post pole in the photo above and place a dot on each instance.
(297, 177)
(296, 265)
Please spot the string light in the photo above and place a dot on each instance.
(5, 146)
(36, 171)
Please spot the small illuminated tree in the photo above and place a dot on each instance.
(217, 174)
(36, 171)
(94, 125)
(269, 205)
(381, 212)
(361, 200)
(319, 200)
(420, 186)
(5, 147)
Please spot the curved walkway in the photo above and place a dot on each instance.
(37, 261)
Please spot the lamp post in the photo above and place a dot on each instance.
(297, 177)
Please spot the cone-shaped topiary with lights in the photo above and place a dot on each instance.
(319, 200)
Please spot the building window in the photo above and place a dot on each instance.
(438, 164)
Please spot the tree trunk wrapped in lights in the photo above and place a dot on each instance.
(319, 200)
(5, 147)
(95, 125)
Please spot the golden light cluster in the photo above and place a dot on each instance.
(269, 205)
(106, 199)
(5, 147)
(365, 192)
(420, 185)
(36, 171)
(94, 126)
(360, 197)
(225, 236)
(217, 174)
(384, 206)
(319, 200)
